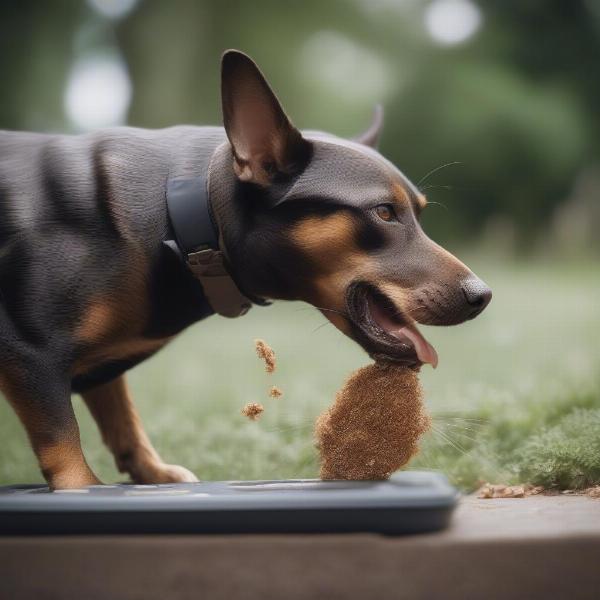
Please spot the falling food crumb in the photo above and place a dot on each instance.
(252, 410)
(275, 392)
(491, 490)
(265, 352)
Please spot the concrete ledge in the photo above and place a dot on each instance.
(537, 547)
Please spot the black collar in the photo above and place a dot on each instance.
(190, 214)
(197, 244)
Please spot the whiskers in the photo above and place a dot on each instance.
(339, 312)
(323, 324)
(430, 173)
(454, 436)
(457, 431)
(436, 186)
(327, 322)
(448, 439)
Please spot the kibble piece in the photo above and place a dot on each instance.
(499, 490)
(373, 427)
(253, 410)
(275, 392)
(594, 492)
(265, 352)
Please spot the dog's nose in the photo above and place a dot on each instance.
(477, 294)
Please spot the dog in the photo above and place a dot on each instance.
(89, 285)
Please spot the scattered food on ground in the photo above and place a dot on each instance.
(499, 490)
(275, 392)
(374, 425)
(265, 352)
(594, 492)
(253, 410)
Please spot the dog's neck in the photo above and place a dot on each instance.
(225, 197)
(231, 207)
(235, 206)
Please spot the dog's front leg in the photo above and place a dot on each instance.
(43, 403)
(122, 431)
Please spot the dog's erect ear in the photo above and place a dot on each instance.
(265, 144)
(371, 136)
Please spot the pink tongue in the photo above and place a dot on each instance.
(425, 351)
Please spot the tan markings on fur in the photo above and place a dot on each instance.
(112, 407)
(404, 199)
(122, 431)
(64, 465)
(123, 310)
(61, 460)
(421, 201)
(402, 299)
(397, 294)
(112, 326)
(328, 234)
(96, 322)
(329, 242)
(401, 195)
(118, 349)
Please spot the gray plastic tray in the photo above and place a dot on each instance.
(409, 502)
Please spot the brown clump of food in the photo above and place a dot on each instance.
(265, 352)
(275, 392)
(374, 425)
(253, 410)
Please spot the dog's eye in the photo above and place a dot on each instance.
(386, 212)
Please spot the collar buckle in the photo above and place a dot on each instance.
(219, 288)
(197, 240)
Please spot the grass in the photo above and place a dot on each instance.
(516, 396)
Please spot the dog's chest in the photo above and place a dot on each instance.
(104, 362)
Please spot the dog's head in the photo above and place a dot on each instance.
(333, 223)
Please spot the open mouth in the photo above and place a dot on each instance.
(384, 331)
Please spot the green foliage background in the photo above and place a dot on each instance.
(516, 396)
(517, 393)
(516, 105)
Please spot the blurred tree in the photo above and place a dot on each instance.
(174, 50)
(551, 41)
(36, 47)
(519, 145)
(516, 104)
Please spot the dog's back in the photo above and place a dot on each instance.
(101, 179)
(82, 220)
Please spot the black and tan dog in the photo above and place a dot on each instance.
(88, 288)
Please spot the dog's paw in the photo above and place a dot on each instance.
(163, 473)
(73, 480)
(177, 474)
